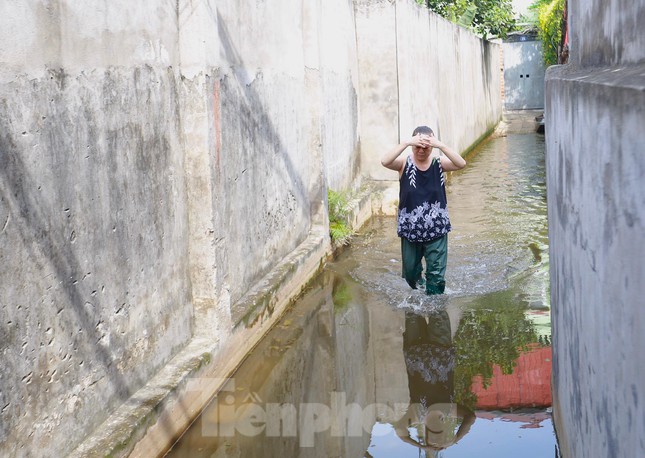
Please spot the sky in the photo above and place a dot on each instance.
(521, 6)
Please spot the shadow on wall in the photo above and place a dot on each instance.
(487, 71)
(19, 191)
(255, 122)
(273, 187)
(84, 218)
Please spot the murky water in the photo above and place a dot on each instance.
(362, 366)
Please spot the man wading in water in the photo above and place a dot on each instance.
(423, 222)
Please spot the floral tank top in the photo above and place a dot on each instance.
(423, 213)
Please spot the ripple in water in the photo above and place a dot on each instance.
(499, 240)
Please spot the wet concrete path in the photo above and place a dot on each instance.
(363, 366)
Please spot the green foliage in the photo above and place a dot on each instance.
(467, 18)
(341, 294)
(340, 206)
(548, 18)
(492, 333)
(340, 232)
(484, 17)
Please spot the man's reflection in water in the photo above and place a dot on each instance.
(433, 421)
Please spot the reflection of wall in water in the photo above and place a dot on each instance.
(523, 73)
(324, 350)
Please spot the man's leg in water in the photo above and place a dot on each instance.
(436, 256)
(411, 256)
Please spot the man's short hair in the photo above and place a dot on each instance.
(422, 130)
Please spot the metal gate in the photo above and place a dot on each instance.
(523, 73)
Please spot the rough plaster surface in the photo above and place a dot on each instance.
(145, 425)
(94, 285)
(378, 90)
(339, 83)
(595, 170)
(40, 34)
(160, 159)
(606, 33)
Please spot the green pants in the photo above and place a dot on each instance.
(435, 253)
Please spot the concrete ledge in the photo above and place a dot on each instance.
(362, 211)
(518, 122)
(624, 77)
(148, 423)
(281, 284)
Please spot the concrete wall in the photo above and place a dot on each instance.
(338, 63)
(94, 285)
(595, 170)
(158, 159)
(418, 68)
(164, 166)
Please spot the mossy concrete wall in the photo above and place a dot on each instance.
(595, 113)
(163, 178)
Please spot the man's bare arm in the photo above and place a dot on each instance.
(450, 160)
(393, 160)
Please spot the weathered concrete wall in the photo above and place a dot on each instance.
(595, 169)
(338, 65)
(158, 160)
(266, 184)
(94, 288)
(606, 33)
(163, 179)
(418, 68)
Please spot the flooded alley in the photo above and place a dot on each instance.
(363, 366)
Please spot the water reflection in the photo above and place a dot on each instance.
(433, 420)
(363, 367)
(493, 332)
(349, 374)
